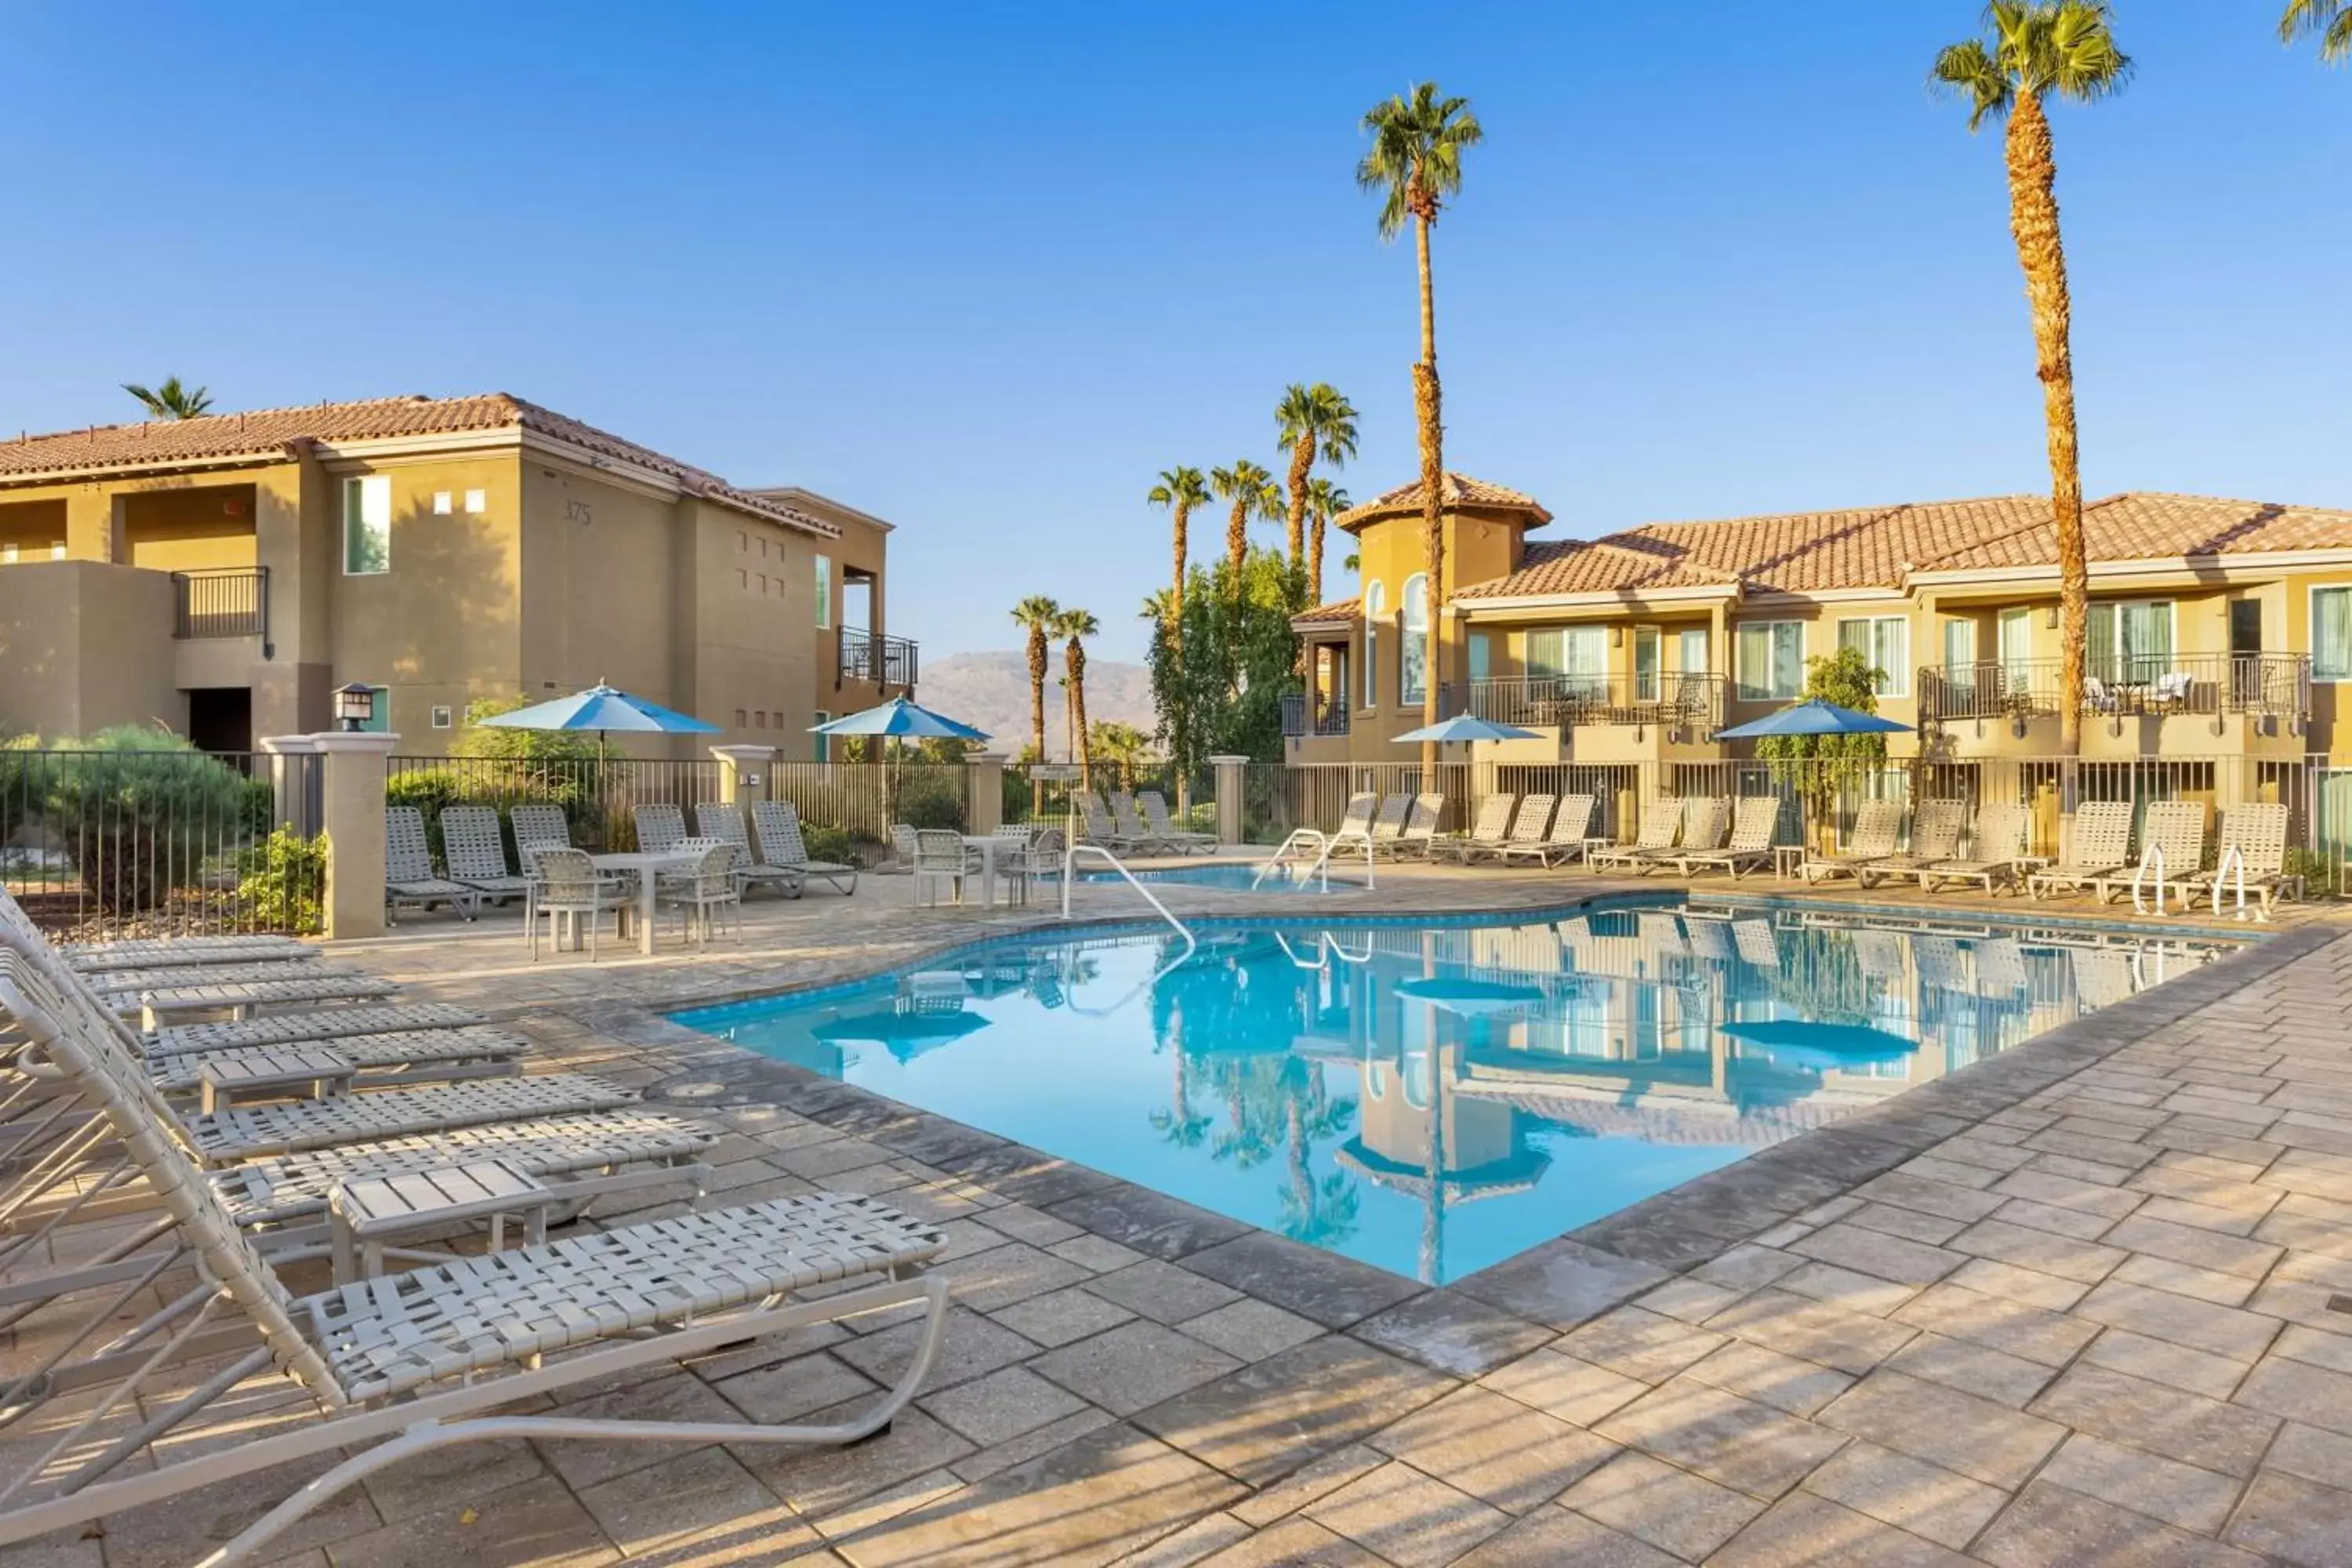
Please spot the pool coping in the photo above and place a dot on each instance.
(1560, 1282)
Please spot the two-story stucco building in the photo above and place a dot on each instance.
(223, 575)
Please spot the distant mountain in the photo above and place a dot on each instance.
(991, 691)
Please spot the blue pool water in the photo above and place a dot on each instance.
(1434, 1097)
(1234, 878)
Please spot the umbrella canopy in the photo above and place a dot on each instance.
(1463, 727)
(1818, 1047)
(904, 1035)
(601, 707)
(1470, 997)
(1814, 718)
(903, 718)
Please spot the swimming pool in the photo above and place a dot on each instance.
(1237, 876)
(1431, 1095)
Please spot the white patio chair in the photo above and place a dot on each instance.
(941, 859)
(1754, 822)
(1489, 830)
(1936, 829)
(722, 822)
(1129, 825)
(476, 853)
(1656, 838)
(704, 895)
(1571, 831)
(408, 877)
(2176, 828)
(567, 889)
(2258, 833)
(778, 825)
(403, 1358)
(1995, 849)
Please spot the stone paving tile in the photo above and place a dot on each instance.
(1287, 1494)
(2084, 1262)
(2199, 1247)
(538, 1522)
(1688, 1299)
(1910, 1494)
(1499, 1450)
(1871, 1252)
(1276, 1415)
(1735, 1442)
(1002, 1405)
(1976, 1437)
(1561, 1283)
(1782, 1381)
(1803, 1530)
(2029, 1333)
(1294, 1544)
(1409, 1519)
(1813, 1330)
(1133, 1366)
(1197, 1542)
(2294, 1520)
(2165, 1421)
(1003, 1455)
(2180, 1494)
(1162, 1291)
(1573, 1390)
(2028, 1287)
(1552, 1536)
(1335, 1291)
(2079, 1224)
(1655, 1502)
(1639, 1344)
(821, 1483)
(1972, 1368)
(2200, 1325)
(1452, 1333)
(1866, 1293)
(2050, 1527)
(1910, 1224)
(676, 1498)
(974, 1346)
(2299, 1392)
(2161, 1361)
(1059, 1317)
(1248, 1329)
(2205, 1285)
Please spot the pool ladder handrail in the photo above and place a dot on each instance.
(2154, 857)
(1069, 867)
(1329, 945)
(1325, 844)
(2232, 855)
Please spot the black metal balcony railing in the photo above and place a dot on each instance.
(221, 602)
(1328, 715)
(886, 662)
(1674, 701)
(2272, 684)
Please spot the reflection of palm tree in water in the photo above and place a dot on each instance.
(1432, 1219)
(1178, 1123)
(1321, 1213)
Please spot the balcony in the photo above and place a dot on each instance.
(1693, 702)
(220, 602)
(1329, 717)
(2210, 685)
(883, 662)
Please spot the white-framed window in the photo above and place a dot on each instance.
(476, 502)
(1376, 606)
(1412, 646)
(1959, 645)
(824, 743)
(1771, 660)
(1691, 649)
(442, 505)
(2013, 632)
(58, 549)
(2129, 640)
(1646, 649)
(823, 592)
(367, 524)
(441, 716)
(1577, 658)
(2331, 634)
(1885, 641)
(1481, 656)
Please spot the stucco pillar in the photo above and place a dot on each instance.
(984, 778)
(1230, 775)
(743, 773)
(352, 769)
(293, 785)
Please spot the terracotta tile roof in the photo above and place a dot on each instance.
(1337, 610)
(279, 433)
(2143, 525)
(1458, 489)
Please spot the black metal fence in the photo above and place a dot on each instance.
(115, 842)
(221, 602)
(598, 798)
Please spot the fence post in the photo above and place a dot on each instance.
(293, 787)
(984, 791)
(1230, 775)
(352, 817)
(743, 773)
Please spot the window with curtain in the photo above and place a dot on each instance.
(1771, 661)
(2331, 634)
(367, 524)
(1885, 641)
(1413, 672)
(1376, 605)
(2128, 640)
(1575, 657)
(2014, 633)
(1645, 664)
(823, 593)
(1481, 656)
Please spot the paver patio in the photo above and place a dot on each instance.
(2078, 1303)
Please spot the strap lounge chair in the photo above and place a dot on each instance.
(238, 1133)
(1994, 849)
(1356, 818)
(402, 1056)
(91, 958)
(1571, 826)
(131, 982)
(1129, 825)
(416, 1358)
(241, 999)
(723, 823)
(1873, 838)
(1936, 829)
(408, 877)
(1388, 822)
(1527, 826)
(1419, 831)
(1491, 830)
(777, 823)
(475, 852)
(2176, 828)
(1155, 817)
(1753, 823)
(661, 827)
(1660, 824)
(297, 1028)
(539, 824)
(2100, 846)
(2257, 834)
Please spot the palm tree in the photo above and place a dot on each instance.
(171, 400)
(2331, 19)
(1077, 626)
(1179, 489)
(1252, 491)
(1325, 501)
(2037, 47)
(1123, 746)
(1040, 615)
(1314, 421)
(1415, 162)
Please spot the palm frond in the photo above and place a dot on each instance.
(2330, 20)
(1968, 71)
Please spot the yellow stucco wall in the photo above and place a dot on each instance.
(83, 646)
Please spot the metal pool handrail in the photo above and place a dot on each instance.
(2155, 856)
(1069, 879)
(2231, 856)
(1302, 837)
(1329, 948)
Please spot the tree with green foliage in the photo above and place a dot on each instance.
(2330, 21)
(479, 739)
(1821, 766)
(1222, 693)
(139, 810)
(1312, 422)
(1120, 746)
(1179, 489)
(1325, 501)
(1037, 615)
(171, 400)
(1077, 626)
(1255, 495)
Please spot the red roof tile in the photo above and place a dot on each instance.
(1458, 489)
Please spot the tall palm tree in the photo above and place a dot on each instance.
(1123, 746)
(1077, 626)
(1254, 495)
(2330, 19)
(1314, 421)
(171, 400)
(1041, 615)
(1179, 489)
(2036, 47)
(1325, 501)
(1415, 162)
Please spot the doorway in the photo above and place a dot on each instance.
(2245, 649)
(220, 719)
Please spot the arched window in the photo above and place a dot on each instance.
(1376, 606)
(1412, 675)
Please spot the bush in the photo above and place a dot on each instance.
(932, 799)
(431, 792)
(282, 882)
(138, 809)
(833, 844)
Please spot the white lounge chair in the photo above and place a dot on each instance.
(1659, 827)
(660, 826)
(475, 851)
(403, 1357)
(1418, 830)
(158, 1004)
(723, 823)
(1995, 849)
(1529, 826)
(294, 1029)
(2257, 833)
(781, 844)
(403, 1055)
(1356, 821)
(91, 958)
(2176, 830)
(539, 824)
(1569, 837)
(408, 876)
(1936, 829)
(1155, 817)
(1875, 826)
(1489, 830)
(2099, 847)
(1388, 824)
(1753, 823)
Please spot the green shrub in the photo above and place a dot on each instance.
(282, 882)
(833, 844)
(431, 792)
(932, 797)
(138, 809)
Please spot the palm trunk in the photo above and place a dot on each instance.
(1176, 602)
(1037, 715)
(1084, 742)
(1433, 482)
(1237, 540)
(2033, 222)
(1315, 559)
(1302, 458)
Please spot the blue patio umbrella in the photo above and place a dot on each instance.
(1816, 1047)
(1463, 727)
(1814, 718)
(1469, 996)
(602, 707)
(901, 719)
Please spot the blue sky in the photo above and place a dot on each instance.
(985, 270)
